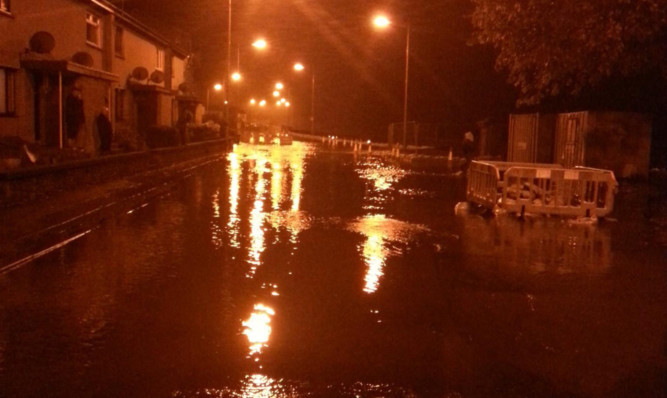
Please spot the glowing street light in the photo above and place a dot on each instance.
(276, 93)
(299, 67)
(236, 76)
(253, 101)
(382, 22)
(262, 103)
(260, 44)
(216, 87)
(279, 86)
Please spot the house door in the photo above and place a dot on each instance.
(146, 113)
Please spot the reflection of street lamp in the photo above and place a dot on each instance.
(300, 68)
(382, 22)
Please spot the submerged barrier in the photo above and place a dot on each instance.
(541, 188)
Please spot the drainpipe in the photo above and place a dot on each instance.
(60, 108)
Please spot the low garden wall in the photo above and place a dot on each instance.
(36, 183)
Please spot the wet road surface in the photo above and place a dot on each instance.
(293, 271)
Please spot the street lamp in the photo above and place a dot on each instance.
(382, 22)
(300, 68)
(260, 44)
(216, 87)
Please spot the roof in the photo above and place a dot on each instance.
(137, 25)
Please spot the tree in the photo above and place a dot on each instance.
(553, 47)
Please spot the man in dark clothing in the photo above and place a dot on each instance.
(468, 148)
(104, 130)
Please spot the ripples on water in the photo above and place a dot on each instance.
(283, 271)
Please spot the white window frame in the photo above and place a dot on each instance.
(94, 22)
(159, 59)
(7, 92)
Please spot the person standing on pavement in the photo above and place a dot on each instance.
(468, 148)
(103, 124)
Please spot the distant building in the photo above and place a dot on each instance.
(50, 47)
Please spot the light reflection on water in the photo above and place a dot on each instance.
(301, 321)
(538, 245)
(257, 328)
(258, 385)
(270, 166)
(234, 171)
(383, 178)
(377, 228)
(380, 231)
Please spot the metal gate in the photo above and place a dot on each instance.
(570, 139)
(522, 145)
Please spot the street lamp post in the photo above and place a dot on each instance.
(216, 87)
(383, 22)
(299, 67)
(229, 63)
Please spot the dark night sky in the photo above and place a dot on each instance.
(359, 70)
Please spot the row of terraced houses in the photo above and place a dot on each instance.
(48, 48)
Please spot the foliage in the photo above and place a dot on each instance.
(552, 47)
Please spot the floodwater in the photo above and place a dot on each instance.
(296, 271)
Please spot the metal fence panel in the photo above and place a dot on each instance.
(542, 188)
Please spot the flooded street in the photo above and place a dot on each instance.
(296, 271)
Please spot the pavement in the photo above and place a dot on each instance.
(32, 229)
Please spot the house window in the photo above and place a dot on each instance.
(160, 59)
(120, 104)
(7, 91)
(119, 48)
(4, 5)
(93, 30)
